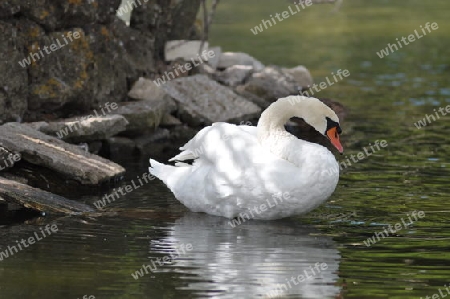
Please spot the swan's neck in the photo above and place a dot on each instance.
(271, 131)
(273, 119)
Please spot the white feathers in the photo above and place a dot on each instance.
(238, 169)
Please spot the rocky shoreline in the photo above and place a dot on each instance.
(234, 88)
(129, 90)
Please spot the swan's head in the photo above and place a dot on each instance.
(316, 114)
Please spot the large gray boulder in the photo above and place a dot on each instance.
(54, 15)
(138, 51)
(13, 78)
(89, 71)
(9, 8)
(204, 101)
(103, 59)
(165, 20)
(98, 75)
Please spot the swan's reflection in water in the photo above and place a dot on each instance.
(257, 259)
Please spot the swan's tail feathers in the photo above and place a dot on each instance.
(172, 176)
(160, 170)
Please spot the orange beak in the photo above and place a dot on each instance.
(333, 135)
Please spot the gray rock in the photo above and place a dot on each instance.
(9, 8)
(90, 71)
(271, 84)
(184, 49)
(214, 61)
(145, 89)
(83, 128)
(228, 59)
(106, 67)
(165, 20)
(143, 116)
(201, 100)
(234, 75)
(105, 59)
(54, 15)
(301, 75)
(64, 159)
(263, 103)
(98, 77)
(13, 78)
(205, 69)
(138, 51)
(148, 112)
(170, 121)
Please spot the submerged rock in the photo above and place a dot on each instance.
(204, 101)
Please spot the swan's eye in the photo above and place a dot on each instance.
(332, 124)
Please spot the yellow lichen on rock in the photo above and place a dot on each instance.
(49, 89)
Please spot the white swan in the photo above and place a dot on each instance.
(260, 172)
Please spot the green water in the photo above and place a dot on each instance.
(386, 97)
(96, 257)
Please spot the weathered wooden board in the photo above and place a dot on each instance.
(40, 200)
(65, 159)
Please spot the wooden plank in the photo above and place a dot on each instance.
(40, 200)
(64, 159)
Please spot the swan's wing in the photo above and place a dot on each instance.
(224, 155)
(219, 142)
